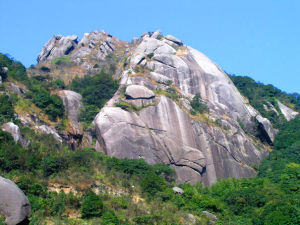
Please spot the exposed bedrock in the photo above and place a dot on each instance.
(198, 149)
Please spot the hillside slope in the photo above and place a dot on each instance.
(193, 120)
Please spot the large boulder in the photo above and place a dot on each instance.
(138, 92)
(15, 132)
(72, 103)
(14, 205)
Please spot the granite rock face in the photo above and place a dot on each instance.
(15, 132)
(97, 44)
(58, 46)
(49, 130)
(14, 205)
(72, 103)
(202, 148)
(287, 112)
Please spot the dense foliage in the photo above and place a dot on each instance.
(41, 97)
(271, 198)
(259, 95)
(6, 109)
(96, 91)
(15, 69)
(198, 105)
(39, 87)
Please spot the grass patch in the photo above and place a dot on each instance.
(61, 60)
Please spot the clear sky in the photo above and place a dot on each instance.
(257, 38)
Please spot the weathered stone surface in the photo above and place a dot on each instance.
(156, 34)
(198, 150)
(49, 130)
(96, 44)
(287, 112)
(138, 92)
(14, 205)
(159, 78)
(72, 103)
(173, 39)
(15, 132)
(57, 46)
(178, 190)
(267, 127)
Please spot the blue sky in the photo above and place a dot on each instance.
(258, 38)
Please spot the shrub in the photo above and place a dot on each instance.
(197, 104)
(53, 164)
(152, 183)
(92, 205)
(45, 69)
(109, 218)
(96, 91)
(15, 69)
(6, 109)
(59, 84)
(61, 60)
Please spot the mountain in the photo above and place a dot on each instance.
(158, 79)
(153, 100)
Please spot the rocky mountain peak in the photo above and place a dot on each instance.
(97, 44)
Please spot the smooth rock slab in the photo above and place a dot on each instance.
(15, 132)
(138, 92)
(72, 103)
(173, 39)
(14, 205)
(287, 112)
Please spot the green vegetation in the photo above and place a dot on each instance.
(40, 95)
(96, 91)
(6, 109)
(197, 105)
(45, 161)
(61, 61)
(15, 69)
(270, 198)
(82, 186)
(259, 95)
(39, 90)
(170, 93)
(91, 206)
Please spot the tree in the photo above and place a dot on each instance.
(92, 205)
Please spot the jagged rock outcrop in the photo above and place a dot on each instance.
(58, 46)
(200, 148)
(97, 44)
(15, 132)
(14, 205)
(287, 112)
